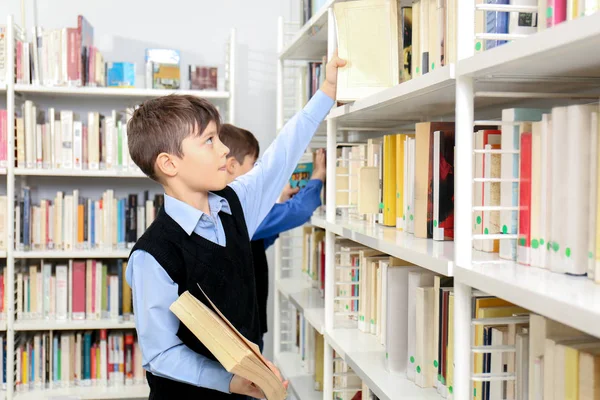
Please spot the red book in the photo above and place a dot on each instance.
(524, 241)
(556, 12)
(73, 56)
(322, 265)
(78, 290)
(3, 139)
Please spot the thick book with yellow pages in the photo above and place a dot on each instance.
(236, 353)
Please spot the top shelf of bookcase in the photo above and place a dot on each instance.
(310, 42)
(110, 92)
(569, 49)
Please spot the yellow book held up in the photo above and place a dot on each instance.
(236, 353)
(389, 180)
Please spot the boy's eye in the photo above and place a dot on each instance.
(209, 141)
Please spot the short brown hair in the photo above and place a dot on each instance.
(160, 125)
(241, 142)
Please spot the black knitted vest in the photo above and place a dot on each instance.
(225, 273)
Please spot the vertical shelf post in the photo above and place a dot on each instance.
(463, 190)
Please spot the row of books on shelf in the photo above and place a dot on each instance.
(53, 139)
(74, 291)
(68, 57)
(418, 39)
(557, 191)
(410, 311)
(310, 346)
(81, 358)
(74, 222)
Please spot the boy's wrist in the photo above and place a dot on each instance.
(329, 89)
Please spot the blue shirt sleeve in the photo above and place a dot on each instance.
(292, 213)
(163, 353)
(258, 189)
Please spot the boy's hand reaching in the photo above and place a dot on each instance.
(288, 192)
(329, 87)
(245, 387)
(320, 170)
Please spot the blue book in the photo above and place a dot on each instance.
(87, 347)
(301, 175)
(120, 74)
(93, 222)
(496, 22)
(55, 369)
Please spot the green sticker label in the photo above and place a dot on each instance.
(381, 205)
(541, 242)
(411, 217)
(346, 307)
(549, 12)
(478, 220)
(372, 322)
(439, 377)
(522, 242)
(590, 255)
(412, 360)
(404, 218)
(435, 224)
(486, 231)
(418, 369)
(432, 66)
(450, 389)
(504, 229)
(535, 244)
(435, 363)
(417, 70)
(397, 195)
(386, 356)
(568, 252)
(409, 208)
(555, 246)
(478, 46)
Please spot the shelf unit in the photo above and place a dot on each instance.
(478, 85)
(12, 326)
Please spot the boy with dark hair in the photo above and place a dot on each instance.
(201, 236)
(288, 214)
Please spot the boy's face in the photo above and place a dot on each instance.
(203, 165)
(235, 169)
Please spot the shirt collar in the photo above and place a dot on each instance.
(187, 217)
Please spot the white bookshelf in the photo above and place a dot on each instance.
(306, 299)
(110, 92)
(86, 98)
(58, 325)
(548, 68)
(140, 391)
(300, 383)
(79, 173)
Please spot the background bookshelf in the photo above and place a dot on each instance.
(23, 330)
(545, 68)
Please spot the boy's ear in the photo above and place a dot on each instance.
(232, 165)
(166, 165)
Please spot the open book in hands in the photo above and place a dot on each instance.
(236, 353)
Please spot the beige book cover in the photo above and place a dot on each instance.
(236, 353)
(374, 60)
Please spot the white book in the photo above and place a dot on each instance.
(415, 279)
(39, 283)
(47, 145)
(39, 141)
(545, 220)
(65, 354)
(424, 351)
(29, 117)
(78, 357)
(52, 312)
(438, 233)
(47, 274)
(59, 217)
(111, 149)
(66, 119)
(575, 255)
(19, 295)
(75, 221)
(103, 359)
(93, 141)
(521, 23)
(382, 316)
(98, 223)
(37, 372)
(396, 343)
(98, 299)
(77, 145)
(405, 186)
(593, 193)
(114, 297)
(141, 221)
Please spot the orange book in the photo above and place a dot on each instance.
(80, 223)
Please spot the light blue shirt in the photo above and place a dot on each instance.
(163, 353)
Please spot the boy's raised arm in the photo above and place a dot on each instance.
(258, 189)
